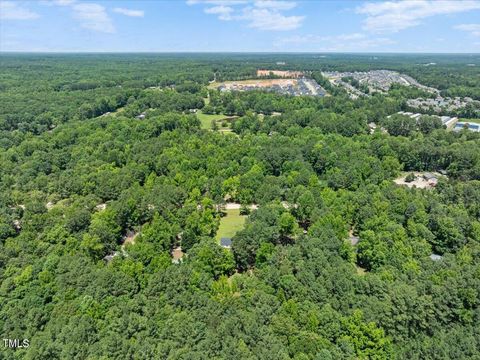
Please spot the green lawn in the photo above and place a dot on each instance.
(213, 85)
(206, 119)
(230, 224)
(475, 121)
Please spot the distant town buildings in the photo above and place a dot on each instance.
(280, 73)
(440, 103)
(376, 80)
(465, 125)
(448, 121)
(291, 86)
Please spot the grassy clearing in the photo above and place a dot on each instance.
(473, 121)
(213, 85)
(206, 119)
(117, 112)
(360, 271)
(230, 224)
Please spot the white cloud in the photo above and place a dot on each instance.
(63, 2)
(347, 37)
(129, 12)
(13, 11)
(393, 16)
(93, 17)
(223, 12)
(259, 14)
(473, 29)
(217, 2)
(57, 2)
(275, 5)
(90, 15)
(297, 40)
(266, 19)
(341, 42)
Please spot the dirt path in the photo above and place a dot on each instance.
(237, 206)
(129, 239)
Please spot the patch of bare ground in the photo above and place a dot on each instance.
(421, 180)
(353, 238)
(177, 255)
(101, 207)
(281, 73)
(129, 238)
(263, 83)
(237, 206)
(360, 271)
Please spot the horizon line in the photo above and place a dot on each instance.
(236, 52)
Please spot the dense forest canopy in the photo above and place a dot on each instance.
(38, 91)
(107, 167)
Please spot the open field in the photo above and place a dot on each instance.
(474, 121)
(206, 119)
(213, 85)
(230, 224)
(282, 73)
(286, 86)
(257, 83)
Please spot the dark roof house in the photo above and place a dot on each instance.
(226, 242)
(429, 176)
(436, 257)
(111, 256)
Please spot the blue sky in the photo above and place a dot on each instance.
(240, 25)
